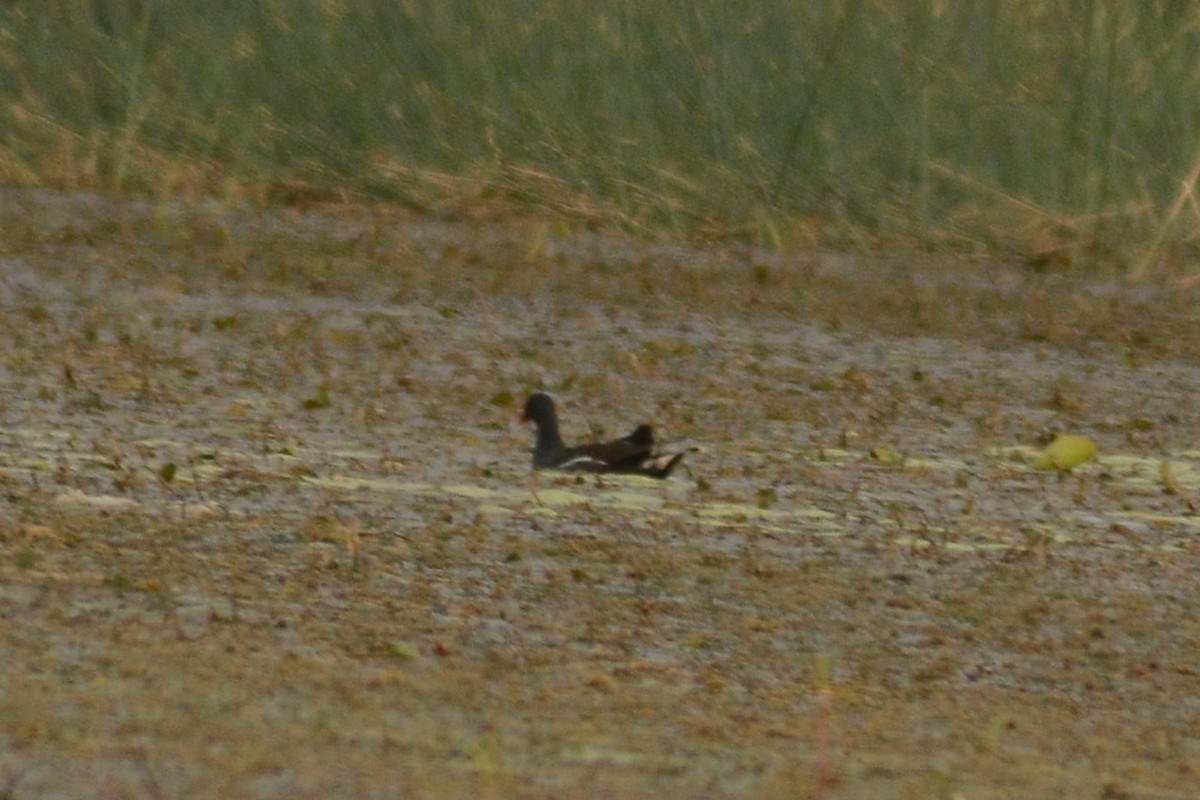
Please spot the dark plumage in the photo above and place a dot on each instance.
(633, 454)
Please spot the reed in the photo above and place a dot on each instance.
(998, 126)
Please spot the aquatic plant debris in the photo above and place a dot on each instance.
(1066, 452)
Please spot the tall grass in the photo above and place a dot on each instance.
(996, 124)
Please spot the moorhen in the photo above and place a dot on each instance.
(630, 455)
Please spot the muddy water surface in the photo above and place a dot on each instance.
(267, 532)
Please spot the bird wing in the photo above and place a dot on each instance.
(614, 456)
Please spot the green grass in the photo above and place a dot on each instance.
(1025, 126)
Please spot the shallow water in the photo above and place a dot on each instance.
(262, 467)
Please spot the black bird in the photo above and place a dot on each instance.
(632, 455)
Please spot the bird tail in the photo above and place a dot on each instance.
(661, 466)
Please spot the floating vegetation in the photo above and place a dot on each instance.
(1066, 452)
